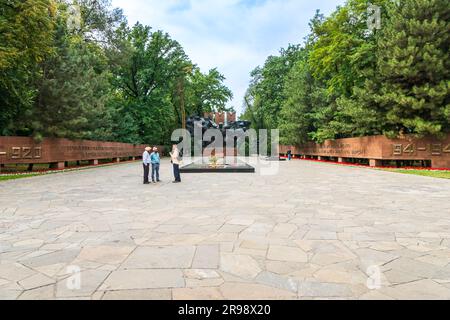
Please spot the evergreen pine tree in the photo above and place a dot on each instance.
(411, 85)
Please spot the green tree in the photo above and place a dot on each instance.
(411, 85)
(343, 56)
(148, 68)
(206, 92)
(72, 91)
(267, 87)
(26, 38)
(301, 110)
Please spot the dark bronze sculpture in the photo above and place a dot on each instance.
(207, 123)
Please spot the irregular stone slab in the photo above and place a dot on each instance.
(9, 294)
(201, 274)
(64, 256)
(15, 271)
(36, 281)
(443, 274)
(143, 279)
(419, 290)
(43, 293)
(414, 268)
(283, 267)
(395, 276)
(277, 281)
(435, 260)
(197, 294)
(259, 229)
(323, 290)
(369, 258)
(152, 294)
(386, 246)
(176, 257)
(232, 228)
(321, 235)
(284, 230)
(3, 282)
(253, 245)
(105, 254)
(284, 253)
(381, 236)
(90, 280)
(333, 276)
(239, 265)
(195, 283)
(251, 291)
(31, 243)
(206, 257)
(375, 295)
(241, 222)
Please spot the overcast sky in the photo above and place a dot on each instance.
(233, 35)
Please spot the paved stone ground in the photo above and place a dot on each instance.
(315, 231)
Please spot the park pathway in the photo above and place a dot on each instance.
(314, 231)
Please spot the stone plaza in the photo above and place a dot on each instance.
(313, 231)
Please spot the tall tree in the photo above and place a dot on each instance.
(343, 56)
(411, 85)
(302, 109)
(146, 77)
(26, 39)
(267, 87)
(206, 92)
(72, 91)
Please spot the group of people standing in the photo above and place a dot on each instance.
(151, 158)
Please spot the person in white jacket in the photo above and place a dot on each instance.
(176, 159)
(146, 162)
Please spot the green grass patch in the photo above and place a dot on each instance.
(425, 173)
(19, 176)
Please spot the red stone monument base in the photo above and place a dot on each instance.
(377, 149)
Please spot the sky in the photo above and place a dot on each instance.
(234, 36)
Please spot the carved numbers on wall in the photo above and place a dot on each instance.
(398, 149)
(436, 149)
(447, 149)
(26, 153)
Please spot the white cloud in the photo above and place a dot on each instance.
(233, 35)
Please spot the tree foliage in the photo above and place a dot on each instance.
(350, 81)
(95, 77)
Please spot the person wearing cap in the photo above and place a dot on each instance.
(155, 159)
(146, 163)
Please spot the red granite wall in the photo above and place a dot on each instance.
(15, 150)
(380, 148)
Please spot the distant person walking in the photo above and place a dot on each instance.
(176, 159)
(156, 162)
(289, 154)
(146, 163)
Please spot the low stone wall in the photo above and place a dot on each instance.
(23, 150)
(379, 148)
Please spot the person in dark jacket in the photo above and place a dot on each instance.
(289, 154)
